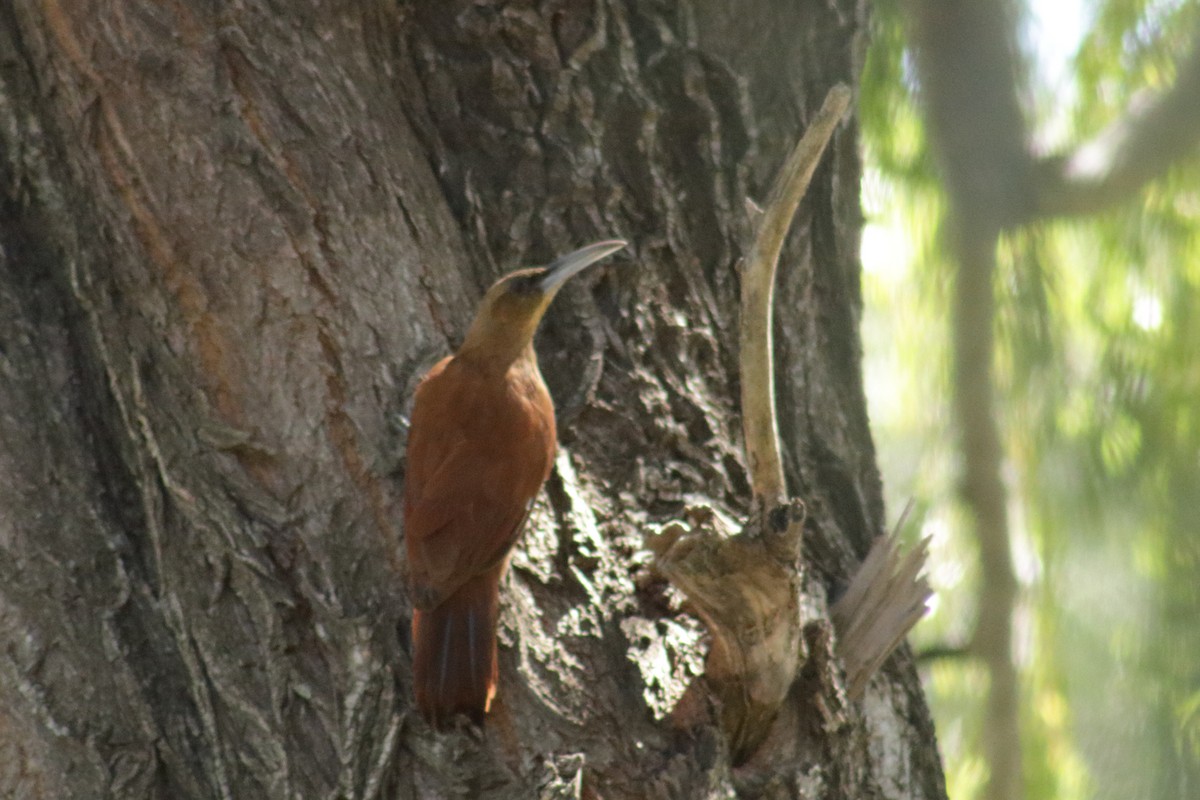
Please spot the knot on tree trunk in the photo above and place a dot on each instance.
(746, 587)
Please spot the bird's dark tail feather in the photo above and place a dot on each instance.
(454, 652)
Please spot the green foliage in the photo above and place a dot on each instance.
(1098, 375)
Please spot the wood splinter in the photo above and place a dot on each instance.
(746, 586)
(884, 600)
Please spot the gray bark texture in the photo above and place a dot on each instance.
(233, 236)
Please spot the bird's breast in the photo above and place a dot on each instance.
(505, 418)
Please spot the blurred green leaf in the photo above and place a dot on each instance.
(1098, 369)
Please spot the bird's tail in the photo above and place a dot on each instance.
(454, 652)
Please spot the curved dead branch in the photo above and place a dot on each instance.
(746, 585)
(1155, 133)
(759, 424)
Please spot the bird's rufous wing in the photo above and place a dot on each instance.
(466, 495)
(465, 521)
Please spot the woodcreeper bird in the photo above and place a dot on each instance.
(480, 445)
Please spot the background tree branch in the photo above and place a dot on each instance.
(969, 79)
(1155, 133)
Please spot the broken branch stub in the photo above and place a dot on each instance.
(746, 586)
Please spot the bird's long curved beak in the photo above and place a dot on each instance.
(564, 267)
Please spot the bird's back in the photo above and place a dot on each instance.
(481, 444)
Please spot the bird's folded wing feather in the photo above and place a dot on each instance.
(463, 522)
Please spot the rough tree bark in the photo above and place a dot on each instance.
(231, 238)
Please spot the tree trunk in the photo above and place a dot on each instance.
(233, 236)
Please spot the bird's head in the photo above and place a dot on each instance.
(509, 313)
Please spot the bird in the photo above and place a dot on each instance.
(481, 443)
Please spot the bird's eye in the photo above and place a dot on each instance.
(526, 285)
